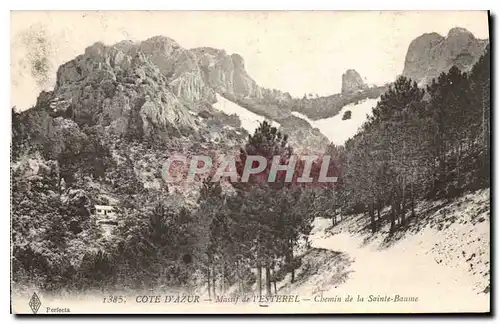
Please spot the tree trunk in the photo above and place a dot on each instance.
(403, 212)
(459, 160)
(259, 279)
(223, 281)
(292, 261)
(371, 213)
(268, 281)
(274, 281)
(403, 205)
(379, 207)
(289, 260)
(442, 172)
(412, 200)
(213, 279)
(238, 274)
(398, 207)
(398, 212)
(208, 282)
(393, 216)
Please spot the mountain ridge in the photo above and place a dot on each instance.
(157, 87)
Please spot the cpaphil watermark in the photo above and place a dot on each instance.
(307, 169)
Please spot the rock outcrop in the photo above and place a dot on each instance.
(226, 74)
(430, 54)
(352, 82)
(121, 87)
(156, 88)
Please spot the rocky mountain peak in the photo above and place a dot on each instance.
(352, 81)
(159, 43)
(459, 32)
(146, 87)
(156, 88)
(430, 54)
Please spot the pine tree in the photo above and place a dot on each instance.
(481, 84)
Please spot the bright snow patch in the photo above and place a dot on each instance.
(249, 120)
(337, 130)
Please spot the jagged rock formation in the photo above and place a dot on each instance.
(352, 82)
(430, 54)
(226, 73)
(122, 88)
(156, 88)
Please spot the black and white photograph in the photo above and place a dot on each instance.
(250, 162)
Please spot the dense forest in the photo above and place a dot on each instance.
(419, 143)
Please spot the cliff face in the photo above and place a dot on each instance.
(430, 54)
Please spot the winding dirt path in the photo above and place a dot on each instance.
(404, 269)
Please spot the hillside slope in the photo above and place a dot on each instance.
(442, 258)
(249, 120)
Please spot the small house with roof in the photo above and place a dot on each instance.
(105, 211)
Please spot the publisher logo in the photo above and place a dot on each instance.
(35, 303)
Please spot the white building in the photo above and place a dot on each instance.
(104, 211)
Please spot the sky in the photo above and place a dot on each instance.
(293, 51)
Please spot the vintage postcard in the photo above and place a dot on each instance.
(221, 162)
